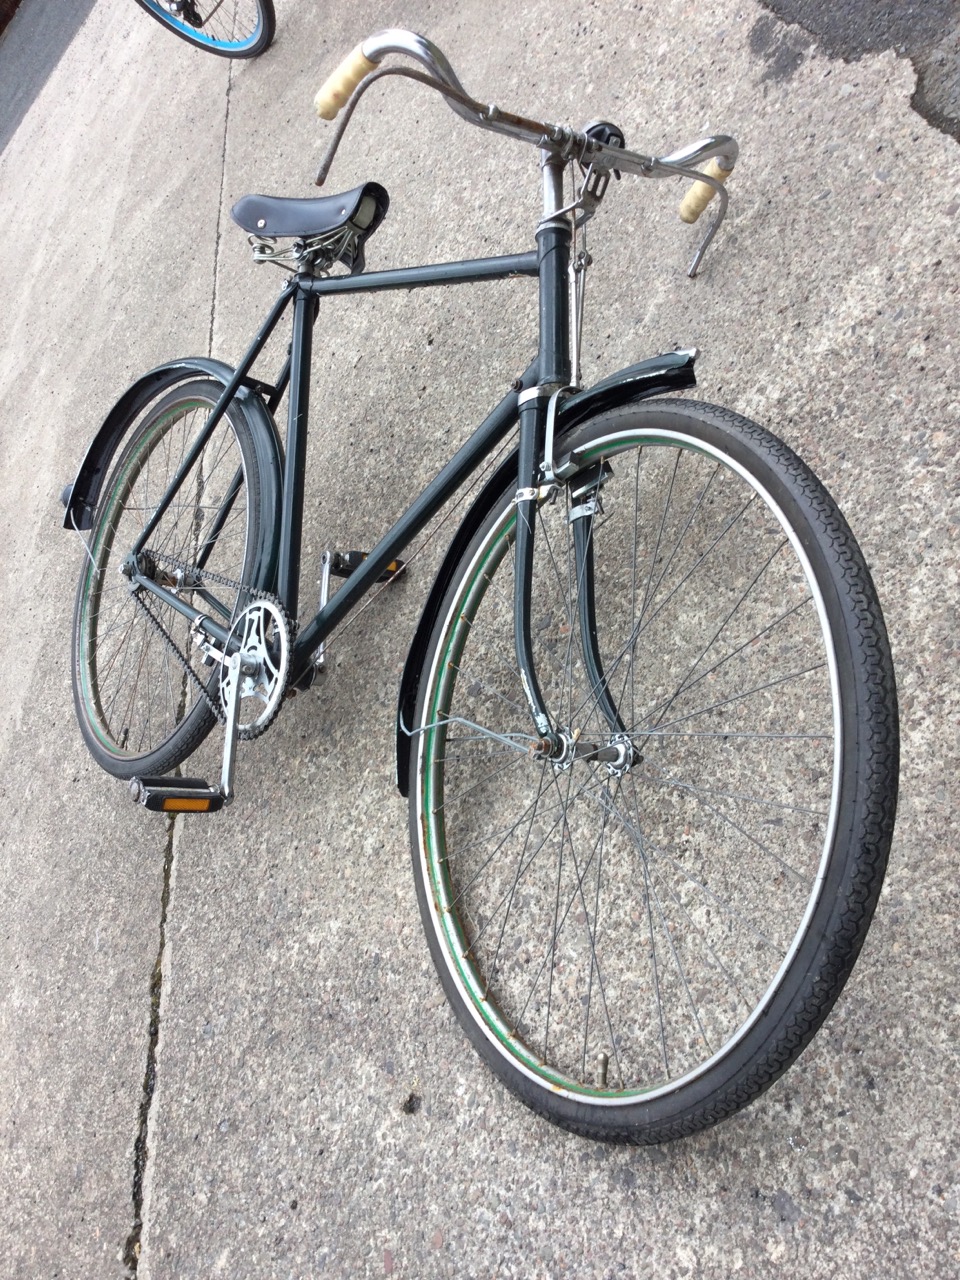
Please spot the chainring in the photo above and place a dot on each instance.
(262, 632)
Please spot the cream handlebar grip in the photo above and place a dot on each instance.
(700, 194)
(337, 88)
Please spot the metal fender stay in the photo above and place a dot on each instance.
(670, 372)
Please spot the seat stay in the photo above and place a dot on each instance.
(229, 391)
(226, 506)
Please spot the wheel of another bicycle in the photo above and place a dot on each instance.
(231, 28)
(638, 946)
(142, 690)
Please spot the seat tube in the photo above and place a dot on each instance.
(291, 521)
(553, 242)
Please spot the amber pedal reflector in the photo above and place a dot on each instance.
(187, 804)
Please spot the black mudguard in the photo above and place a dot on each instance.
(670, 372)
(81, 497)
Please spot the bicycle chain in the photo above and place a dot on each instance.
(207, 575)
(181, 657)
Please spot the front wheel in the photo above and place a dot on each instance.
(230, 28)
(640, 934)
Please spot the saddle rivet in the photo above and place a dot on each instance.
(262, 222)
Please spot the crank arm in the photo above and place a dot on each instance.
(236, 670)
(193, 795)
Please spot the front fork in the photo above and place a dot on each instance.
(558, 360)
(532, 431)
(556, 742)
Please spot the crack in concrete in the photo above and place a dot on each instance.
(131, 1249)
(223, 184)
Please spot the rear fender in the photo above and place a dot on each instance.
(81, 498)
(670, 372)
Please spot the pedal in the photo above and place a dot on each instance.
(344, 563)
(176, 795)
(341, 564)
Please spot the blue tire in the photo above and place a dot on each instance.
(232, 29)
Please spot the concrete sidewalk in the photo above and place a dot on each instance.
(209, 1029)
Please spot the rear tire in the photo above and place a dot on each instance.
(639, 952)
(140, 711)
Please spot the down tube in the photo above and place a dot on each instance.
(486, 437)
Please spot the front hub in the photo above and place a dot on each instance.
(618, 753)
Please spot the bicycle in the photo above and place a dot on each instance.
(229, 28)
(647, 726)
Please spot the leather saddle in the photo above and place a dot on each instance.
(360, 210)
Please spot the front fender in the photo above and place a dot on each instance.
(672, 371)
(81, 497)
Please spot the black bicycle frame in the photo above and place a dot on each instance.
(526, 401)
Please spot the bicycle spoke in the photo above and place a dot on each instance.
(718, 666)
(699, 796)
(685, 683)
(595, 966)
(511, 893)
(748, 693)
(640, 842)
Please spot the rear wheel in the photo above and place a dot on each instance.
(230, 28)
(640, 942)
(144, 696)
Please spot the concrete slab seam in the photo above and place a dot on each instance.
(141, 1146)
(219, 230)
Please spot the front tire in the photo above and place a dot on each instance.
(638, 952)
